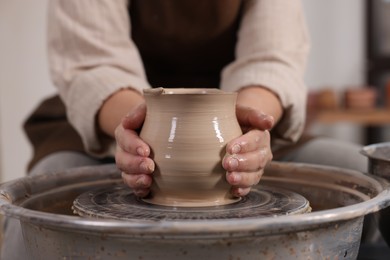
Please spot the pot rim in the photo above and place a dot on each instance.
(213, 228)
(238, 227)
(368, 151)
(185, 91)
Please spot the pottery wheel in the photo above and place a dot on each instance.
(121, 203)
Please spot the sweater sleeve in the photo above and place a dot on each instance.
(271, 52)
(91, 56)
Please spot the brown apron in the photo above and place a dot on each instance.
(49, 131)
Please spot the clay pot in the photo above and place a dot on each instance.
(187, 130)
(360, 98)
(326, 99)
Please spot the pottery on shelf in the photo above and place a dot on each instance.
(187, 131)
(360, 98)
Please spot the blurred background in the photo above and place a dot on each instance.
(347, 72)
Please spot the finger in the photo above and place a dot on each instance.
(252, 161)
(244, 179)
(248, 117)
(130, 142)
(135, 118)
(137, 181)
(240, 192)
(251, 141)
(141, 192)
(133, 164)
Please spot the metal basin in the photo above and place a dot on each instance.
(378, 159)
(379, 165)
(339, 199)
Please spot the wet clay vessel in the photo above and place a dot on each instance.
(187, 131)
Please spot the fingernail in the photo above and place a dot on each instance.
(235, 192)
(233, 163)
(236, 148)
(151, 167)
(269, 119)
(141, 192)
(141, 151)
(147, 167)
(240, 192)
(144, 167)
(236, 178)
(140, 182)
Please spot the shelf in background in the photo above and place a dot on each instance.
(369, 117)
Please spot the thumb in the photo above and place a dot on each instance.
(250, 118)
(135, 118)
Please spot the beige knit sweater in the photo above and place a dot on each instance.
(97, 47)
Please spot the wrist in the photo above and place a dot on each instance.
(261, 99)
(115, 108)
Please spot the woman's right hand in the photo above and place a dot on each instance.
(132, 153)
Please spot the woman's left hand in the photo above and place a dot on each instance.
(247, 155)
(257, 110)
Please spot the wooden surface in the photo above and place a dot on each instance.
(371, 117)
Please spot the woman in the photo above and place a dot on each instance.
(103, 53)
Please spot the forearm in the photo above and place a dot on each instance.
(261, 99)
(271, 51)
(115, 108)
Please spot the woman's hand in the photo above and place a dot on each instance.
(247, 155)
(132, 154)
